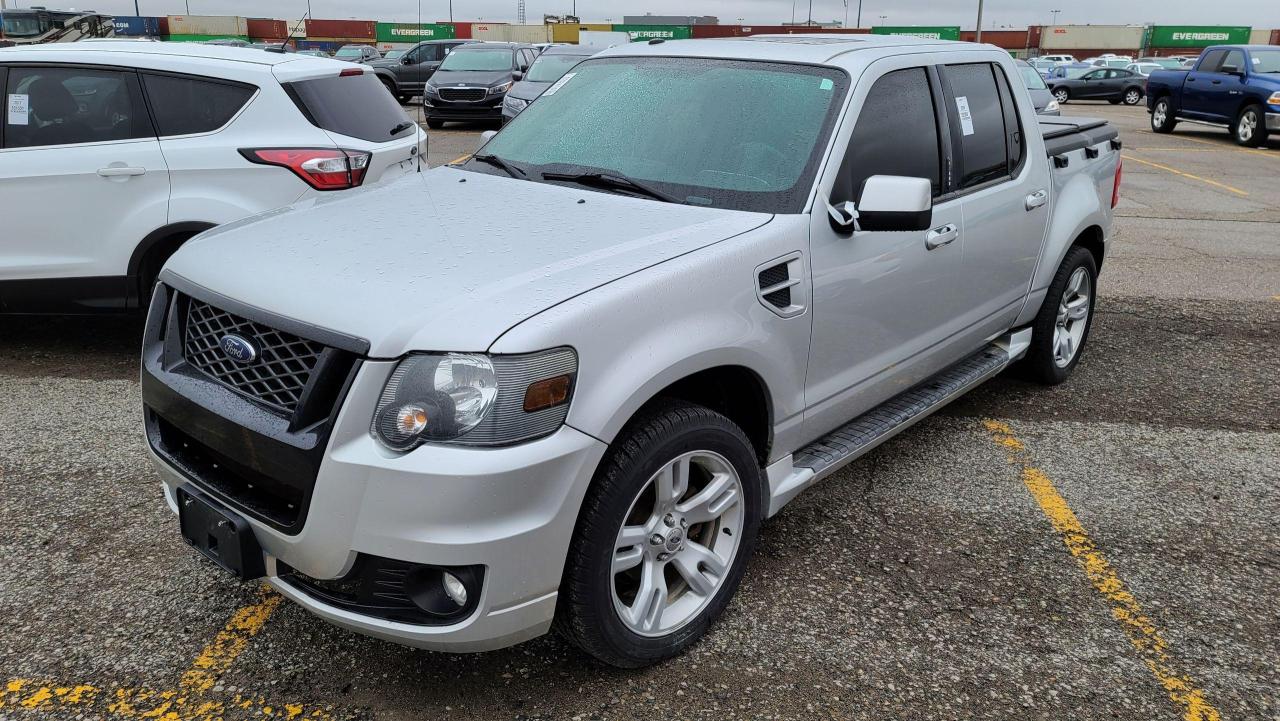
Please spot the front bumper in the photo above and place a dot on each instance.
(487, 109)
(511, 510)
(1273, 121)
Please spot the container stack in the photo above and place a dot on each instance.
(202, 28)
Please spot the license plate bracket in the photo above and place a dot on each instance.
(223, 536)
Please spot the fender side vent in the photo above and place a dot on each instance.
(771, 278)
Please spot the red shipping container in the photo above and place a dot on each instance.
(1275, 37)
(1033, 36)
(737, 31)
(461, 31)
(1007, 39)
(343, 29)
(267, 28)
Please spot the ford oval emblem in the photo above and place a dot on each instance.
(238, 349)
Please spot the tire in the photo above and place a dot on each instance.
(1062, 95)
(623, 521)
(391, 88)
(1044, 363)
(1250, 127)
(1162, 120)
(1132, 96)
(435, 124)
(1114, 102)
(403, 99)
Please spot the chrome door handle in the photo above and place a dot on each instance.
(939, 237)
(116, 172)
(1037, 199)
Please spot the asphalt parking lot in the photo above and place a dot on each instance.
(1106, 549)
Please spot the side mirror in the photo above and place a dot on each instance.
(485, 137)
(1230, 69)
(517, 75)
(895, 203)
(406, 60)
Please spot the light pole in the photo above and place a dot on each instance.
(978, 36)
(1054, 13)
(859, 20)
(846, 14)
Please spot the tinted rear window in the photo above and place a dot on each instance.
(186, 105)
(356, 105)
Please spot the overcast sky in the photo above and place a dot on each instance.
(998, 13)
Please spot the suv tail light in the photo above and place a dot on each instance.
(321, 168)
(1115, 189)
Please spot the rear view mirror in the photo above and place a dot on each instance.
(895, 203)
(485, 137)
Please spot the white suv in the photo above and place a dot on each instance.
(113, 154)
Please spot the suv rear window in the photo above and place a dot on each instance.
(356, 105)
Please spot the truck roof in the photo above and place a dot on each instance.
(817, 48)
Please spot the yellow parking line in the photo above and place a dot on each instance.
(1175, 171)
(217, 657)
(1216, 145)
(1137, 626)
(459, 159)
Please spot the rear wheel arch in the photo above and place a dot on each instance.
(150, 256)
(1091, 239)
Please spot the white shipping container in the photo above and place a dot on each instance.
(601, 39)
(384, 47)
(207, 25)
(512, 33)
(1092, 37)
(1259, 37)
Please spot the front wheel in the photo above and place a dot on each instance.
(1062, 95)
(435, 124)
(1162, 120)
(1132, 96)
(1250, 127)
(1062, 326)
(663, 537)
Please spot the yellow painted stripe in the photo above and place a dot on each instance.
(39, 699)
(1175, 171)
(1223, 146)
(459, 159)
(1137, 626)
(217, 657)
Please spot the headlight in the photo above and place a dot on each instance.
(1274, 99)
(473, 399)
(500, 89)
(515, 104)
(430, 90)
(1052, 107)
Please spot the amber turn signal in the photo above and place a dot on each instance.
(547, 393)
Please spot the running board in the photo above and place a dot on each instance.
(791, 475)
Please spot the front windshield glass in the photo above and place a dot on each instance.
(494, 59)
(721, 133)
(1031, 77)
(393, 54)
(1266, 61)
(348, 53)
(19, 26)
(549, 68)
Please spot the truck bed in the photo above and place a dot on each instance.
(1062, 135)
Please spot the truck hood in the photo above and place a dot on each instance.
(443, 260)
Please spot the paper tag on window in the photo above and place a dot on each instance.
(558, 84)
(18, 109)
(966, 118)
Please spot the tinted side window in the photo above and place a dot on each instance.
(184, 105)
(66, 106)
(1211, 61)
(977, 123)
(896, 134)
(1234, 58)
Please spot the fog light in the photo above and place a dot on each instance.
(454, 589)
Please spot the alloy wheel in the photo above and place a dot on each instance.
(677, 543)
(1160, 113)
(1061, 95)
(1247, 126)
(1073, 318)
(1132, 97)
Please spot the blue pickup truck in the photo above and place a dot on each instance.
(1233, 85)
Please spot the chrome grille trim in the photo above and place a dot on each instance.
(276, 378)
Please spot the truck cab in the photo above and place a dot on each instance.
(1237, 86)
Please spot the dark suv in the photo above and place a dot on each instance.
(473, 80)
(404, 76)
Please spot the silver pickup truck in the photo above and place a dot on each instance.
(561, 384)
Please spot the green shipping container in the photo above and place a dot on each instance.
(939, 32)
(413, 32)
(204, 38)
(640, 33)
(1197, 36)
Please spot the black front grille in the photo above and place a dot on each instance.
(278, 375)
(470, 95)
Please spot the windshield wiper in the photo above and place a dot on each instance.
(612, 180)
(494, 160)
(401, 127)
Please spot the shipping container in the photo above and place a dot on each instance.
(1197, 36)
(802, 30)
(412, 32)
(511, 33)
(641, 33)
(328, 46)
(1259, 36)
(935, 32)
(133, 26)
(568, 33)
(353, 30)
(461, 30)
(1007, 39)
(296, 28)
(193, 38)
(1275, 37)
(267, 29)
(212, 25)
(384, 48)
(1075, 38)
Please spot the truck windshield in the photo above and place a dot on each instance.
(549, 68)
(20, 25)
(723, 133)
(1266, 61)
(477, 60)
